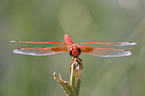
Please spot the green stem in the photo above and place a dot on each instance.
(75, 74)
(72, 88)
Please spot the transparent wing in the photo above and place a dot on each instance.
(104, 52)
(110, 44)
(40, 42)
(41, 51)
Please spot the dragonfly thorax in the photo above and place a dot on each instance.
(75, 51)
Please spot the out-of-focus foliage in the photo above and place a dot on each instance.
(83, 20)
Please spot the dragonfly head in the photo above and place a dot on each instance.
(75, 51)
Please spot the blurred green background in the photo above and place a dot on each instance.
(83, 20)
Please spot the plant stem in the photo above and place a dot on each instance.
(72, 88)
(75, 74)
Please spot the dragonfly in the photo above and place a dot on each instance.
(74, 49)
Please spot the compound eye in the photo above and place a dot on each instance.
(75, 52)
(78, 50)
(70, 52)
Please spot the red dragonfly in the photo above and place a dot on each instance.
(75, 50)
